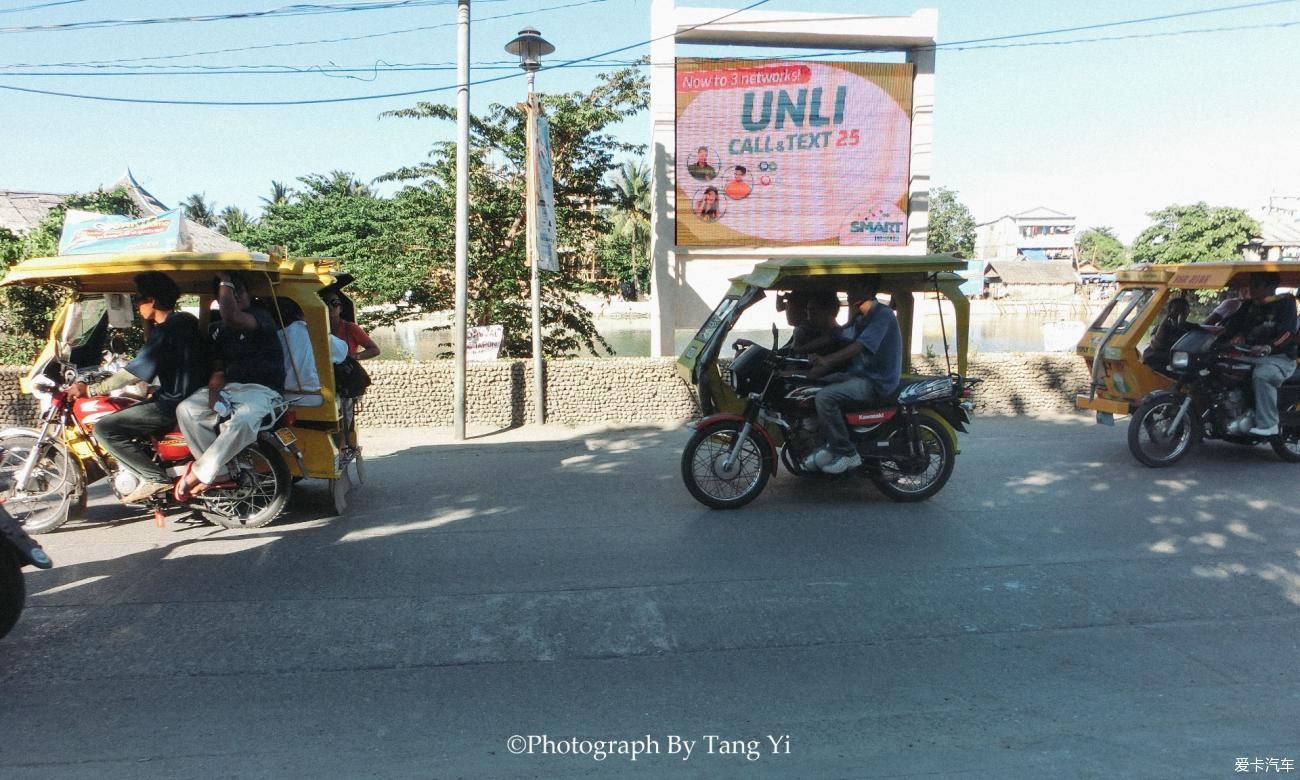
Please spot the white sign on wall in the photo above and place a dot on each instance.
(483, 342)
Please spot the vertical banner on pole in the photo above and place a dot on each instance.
(541, 201)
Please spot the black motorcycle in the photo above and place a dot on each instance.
(1212, 398)
(17, 550)
(907, 441)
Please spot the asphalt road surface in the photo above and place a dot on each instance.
(545, 603)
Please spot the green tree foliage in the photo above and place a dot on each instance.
(1101, 247)
(26, 312)
(334, 215)
(952, 228)
(583, 152)
(197, 208)
(1194, 234)
(233, 220)
(625, 253)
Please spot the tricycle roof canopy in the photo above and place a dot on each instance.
(823, 272)
(192, 271)
(1207, 276)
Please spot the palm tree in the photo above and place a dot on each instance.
(234, 220)
(340, 183)
(632, 208)
(198, 209)
(280, 193)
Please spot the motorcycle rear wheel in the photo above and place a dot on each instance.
(56, 490)
(1149, 437)
(1287, 446)
(703, 463)
(921, 480)
(13, 590)
(263, 488)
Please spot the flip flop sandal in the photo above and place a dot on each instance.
(182, 492)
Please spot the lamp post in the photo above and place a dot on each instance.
(462, 214)
(529, 46)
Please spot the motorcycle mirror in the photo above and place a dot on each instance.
(775, 339)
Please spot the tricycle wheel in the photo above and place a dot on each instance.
(1151, 437)
(260, 493)
(705, 470)
(905, 481)
(1287, 445)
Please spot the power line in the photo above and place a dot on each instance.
(591, 60)
(344, 39)
(306, 9)
(38, 6)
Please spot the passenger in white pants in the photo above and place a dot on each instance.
(248, 377)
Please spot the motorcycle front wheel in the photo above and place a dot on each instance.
(13, 591)
(1151, 436)
(55, 490)
(705, 470)
(259, 495)
(917, 480)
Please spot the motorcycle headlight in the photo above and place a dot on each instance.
(1179, 360)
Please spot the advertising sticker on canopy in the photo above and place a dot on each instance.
(780, 153)
(85, 232)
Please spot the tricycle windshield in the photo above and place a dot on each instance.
(1123, 310)
(716, 320)
(85, 330)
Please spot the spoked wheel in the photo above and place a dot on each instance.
(712, 480)
(55, 490)
(917, 479)
(1287, 445)
(259, 495)
(1152, 437)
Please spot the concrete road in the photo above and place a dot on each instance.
(1056, 611)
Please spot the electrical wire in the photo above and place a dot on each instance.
(973, 44)
(306, 9)
(38, 6)
(344, 39)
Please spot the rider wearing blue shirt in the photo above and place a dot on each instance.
(872, 359)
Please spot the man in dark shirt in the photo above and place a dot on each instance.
(871, 363)
(245, 386)
(1269, 330)
(174, 355)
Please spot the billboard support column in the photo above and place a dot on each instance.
(918, 223)
(663, 118)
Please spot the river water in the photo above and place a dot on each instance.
(630, 337)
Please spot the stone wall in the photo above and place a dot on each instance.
(623, 390)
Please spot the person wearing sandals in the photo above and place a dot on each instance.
(243, 394)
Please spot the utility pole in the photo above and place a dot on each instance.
(529, 46)
(462, 213)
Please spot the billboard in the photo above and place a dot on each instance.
(792, 153)
(85, 232)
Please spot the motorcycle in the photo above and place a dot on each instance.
(44, 472)
(907, 442)
(1212, 398)
(17, 550)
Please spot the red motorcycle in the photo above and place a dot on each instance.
(44, 472)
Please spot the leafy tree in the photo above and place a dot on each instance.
(330, 217)
(280, 193)
(233, 220)
(1194, 234)
(625, 255)
(952, 228)
(1101, 247)
(197, 208)
(26, 312)
(583, 152)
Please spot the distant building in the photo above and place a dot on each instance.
(1024, 281)
(1279, 231)
(1038, 235)
(22, 211)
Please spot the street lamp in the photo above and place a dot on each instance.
(529, 46)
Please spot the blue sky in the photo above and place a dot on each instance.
(1103, 130)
